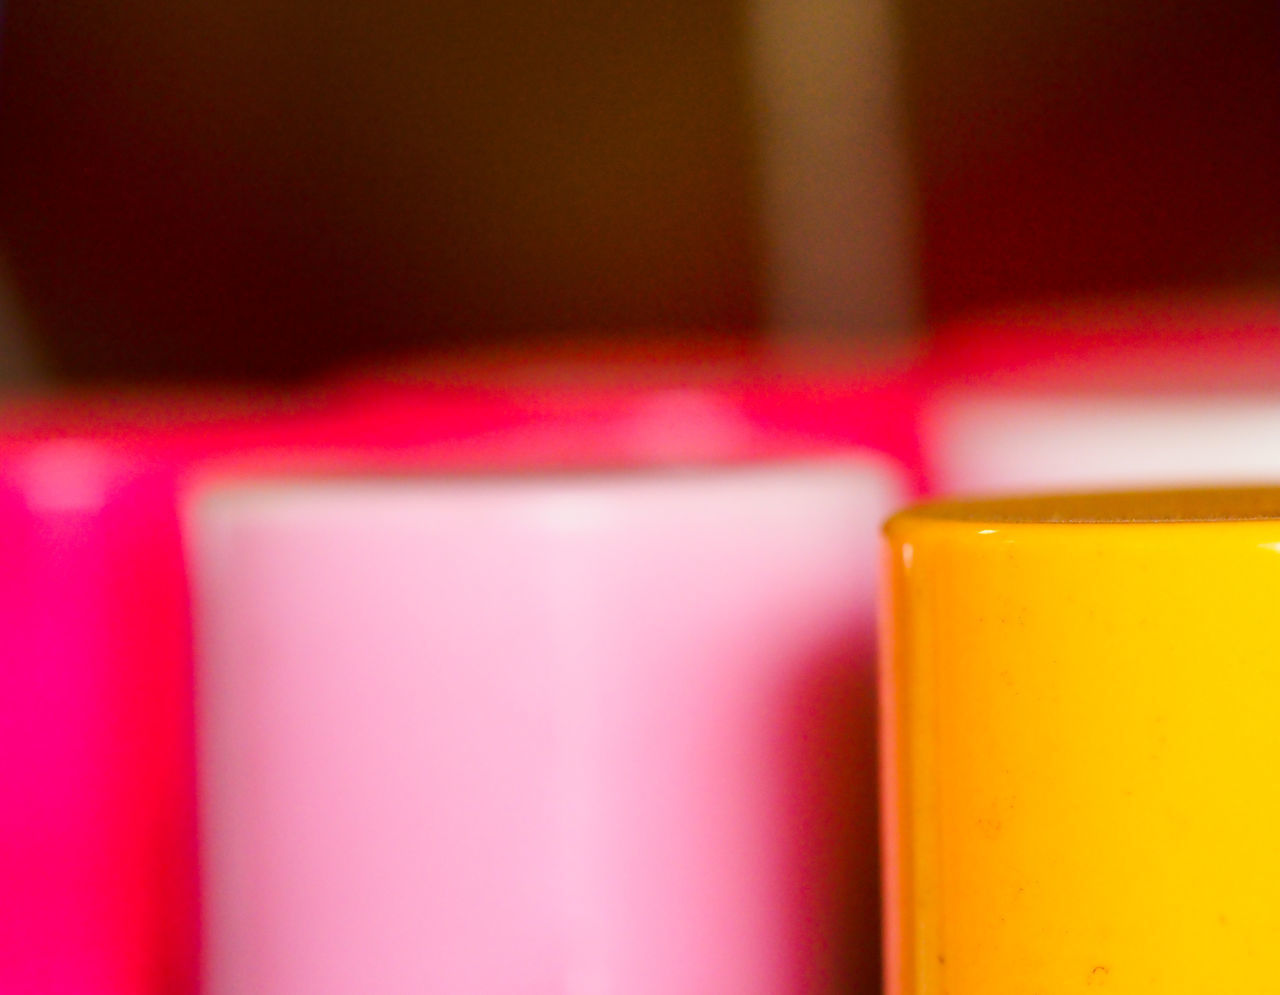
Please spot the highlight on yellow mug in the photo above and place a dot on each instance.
(1081, 722)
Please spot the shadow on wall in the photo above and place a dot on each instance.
(268, 186)
(1068, 149)
(20, 365)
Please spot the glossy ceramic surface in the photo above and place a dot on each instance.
(1081, 745)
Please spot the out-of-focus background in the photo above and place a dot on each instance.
(271, 188)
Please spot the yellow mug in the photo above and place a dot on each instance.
(1081, 722)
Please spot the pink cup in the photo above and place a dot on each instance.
(96, 829)
(548, 731)
(95, 847)
(657, 400)
(1141, 392)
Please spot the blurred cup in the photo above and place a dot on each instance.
(595, 716)
(1121, 393)
(97, 872)
(95, 831)
(655, 398)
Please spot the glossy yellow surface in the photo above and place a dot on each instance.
(1082, 731)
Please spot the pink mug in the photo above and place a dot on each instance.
(546, 728)
(97, 877)
(1137, 392)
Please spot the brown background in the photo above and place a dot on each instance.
(268, 187)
